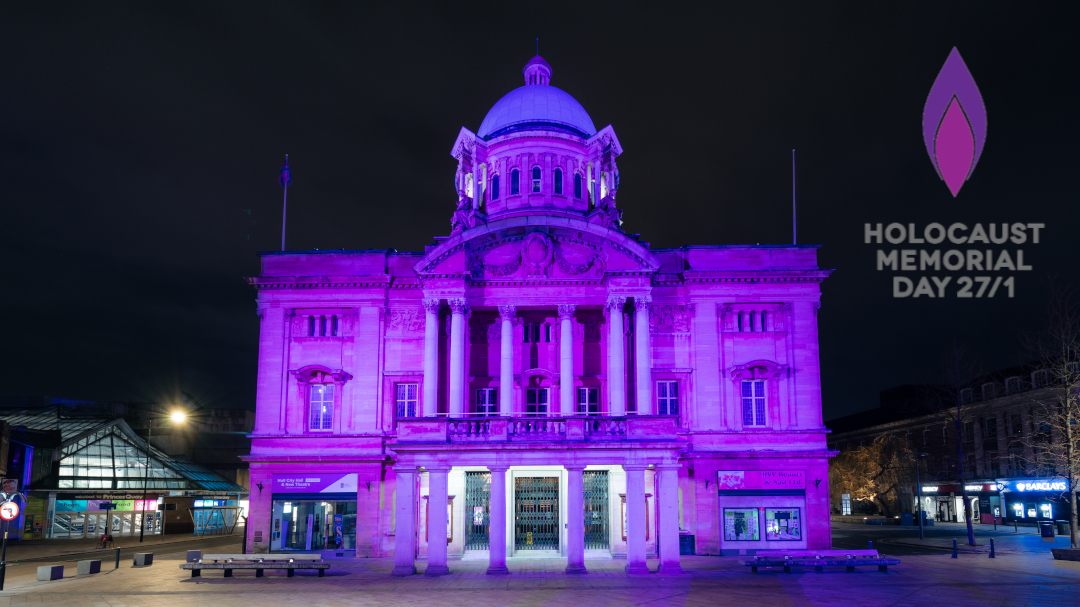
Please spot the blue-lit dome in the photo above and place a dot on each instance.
(537, 106)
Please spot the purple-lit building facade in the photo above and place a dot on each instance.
(539, 381)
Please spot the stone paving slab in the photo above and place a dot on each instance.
(937, 580)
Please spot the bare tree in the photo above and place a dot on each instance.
(872, 473)
(1054, 443)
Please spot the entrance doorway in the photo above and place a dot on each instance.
(477, 508)
(536, 513)
(596, 509)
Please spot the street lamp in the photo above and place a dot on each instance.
(177, 417)
(918, 502)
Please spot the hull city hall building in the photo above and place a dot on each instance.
(539, 382)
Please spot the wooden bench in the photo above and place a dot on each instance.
(259, 562)
(819, 559)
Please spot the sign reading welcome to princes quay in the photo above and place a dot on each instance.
(749, 480)
(315, 483)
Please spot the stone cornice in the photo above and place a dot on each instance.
(267, 283)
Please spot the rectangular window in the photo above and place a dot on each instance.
(536, 402)
(782, 524)
(334, 326)
(547, 333)
(406, 400)
(753, 403)
(495, 187)
(740, 322)
(536, 180)
(514, 178)
(558, 181)
(926, 437)
(322, 326)
(588, 401)
(487, 401)
(667, 398)
(321, 406)
(311, 326)
(532, 333)
(577, 186)
(741, 525)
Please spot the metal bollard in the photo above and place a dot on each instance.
(992, 548)
(117, 559)
(954, 548)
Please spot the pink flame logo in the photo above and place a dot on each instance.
(954, 123)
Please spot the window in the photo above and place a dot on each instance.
(495, 187)
(944, 435)
(321, 406)
(533, 330)
(926, 437)
(763, 325)
(965, 396)
(741, 525)
(667, 397)
(577, 185)
(322, 326)
(782, 524)
(514, 182)
(487, 401)
(1016, 428)
(1038, 379)
(753, 402)
(740, 322)
(536, 180)
(588, 401)
(406, 400)
(558, 181)
(536, 402)
(334, 326)
(311, 326)
(969, 432)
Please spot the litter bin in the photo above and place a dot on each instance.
(1046, 528)
(1062, 527)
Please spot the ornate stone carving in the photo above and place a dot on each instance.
(503, 269)
(615, 301)
(348, 320)
(566, 310)
(642, 303)
(406, 320)
(591, 329)
(574, 269)
(507, 311)
(431, 305)
(817, 306)
(782, 316)
(261, 313)
(670, 319)
(537, 252)
(458, 305)
(725, 311)
(494, 332)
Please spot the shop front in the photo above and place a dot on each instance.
(761, 510)
(313, 512)
(1035, 499)
(79, 515)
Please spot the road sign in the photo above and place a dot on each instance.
(9, 511)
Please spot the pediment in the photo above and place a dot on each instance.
(575, 250)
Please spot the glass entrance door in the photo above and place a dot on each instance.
(536, 513)
(596, 509)
(477, 500)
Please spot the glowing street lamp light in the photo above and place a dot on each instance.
(178, 417)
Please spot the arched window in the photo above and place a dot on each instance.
(311, 326)
(764, 327)
(322, 326)
(495, 187)
(536, 180)
(514, 179)
(740, 322)
(321, 407)
(558, 181)
(577, 186)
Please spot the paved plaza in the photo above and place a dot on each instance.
(1013, 579)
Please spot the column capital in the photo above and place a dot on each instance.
(507, 311)
(500, 469)
(635, 467)
(458, 305)
(566, 311)
(403, 469)
(615, 301)
(431, 304)
(439, 468)
(574, 466)
(642, 303)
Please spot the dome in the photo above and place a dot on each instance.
(537, 106)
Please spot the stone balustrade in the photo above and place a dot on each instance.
(536, 429)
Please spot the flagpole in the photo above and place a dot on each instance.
(284, 180)
(794, 238)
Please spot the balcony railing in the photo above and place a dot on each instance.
(536, 429)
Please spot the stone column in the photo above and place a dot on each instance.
(430, 404)
(667, 506)
(456, 405)
(497, 523)
(635, 519)
(575, 520)
(643, 356)
(405, 516)
(566, 359)
(506, 360)
(437, 499)
(616, 371)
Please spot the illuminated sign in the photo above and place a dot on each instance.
(929, 489)
(1048, 485)
(974, 487)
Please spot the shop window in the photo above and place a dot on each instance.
(536, 180)
(588, 401)
(321, 407)
(406, 400)
(536, 402)
(783, 524)
(307, 525)
(741, 525)
(558, 181)
(487, 401)
(495, 187)
(753, 403)
(667, 398)
(515, 178)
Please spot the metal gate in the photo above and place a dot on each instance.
(536, 513)
(477, 509)
(596, 509)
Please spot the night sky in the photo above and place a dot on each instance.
(140, 147)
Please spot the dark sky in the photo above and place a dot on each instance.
(140, 148)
